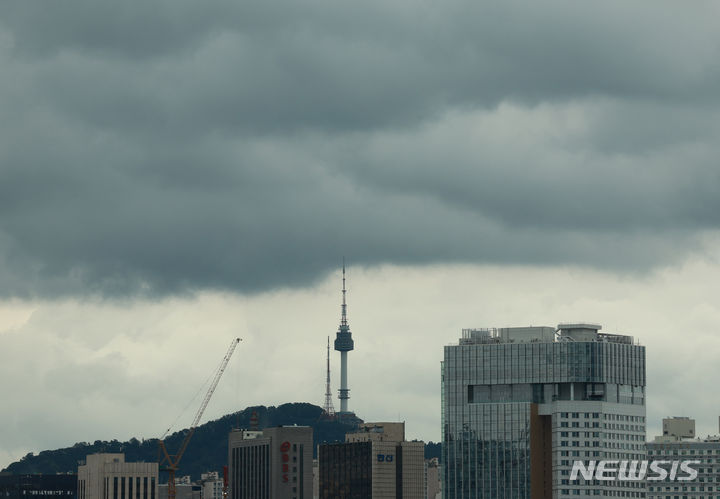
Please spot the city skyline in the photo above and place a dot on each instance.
(417, 384)
(174, 175)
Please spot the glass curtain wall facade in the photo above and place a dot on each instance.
(504, 395)
(345, 470)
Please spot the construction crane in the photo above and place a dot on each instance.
(170, 462)
(225, 482)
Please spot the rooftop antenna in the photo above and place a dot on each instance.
(343, 317)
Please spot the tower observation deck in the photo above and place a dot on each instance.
(343, 344)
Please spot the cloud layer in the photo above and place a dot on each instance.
(159, 148)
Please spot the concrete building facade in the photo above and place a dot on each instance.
(275, 463)
(678, 443)
(183, 490)
(520, 405)
(374, 462)
(212, 485)
(377, 432)
(108, 476)
(432, 478)
(679, 427)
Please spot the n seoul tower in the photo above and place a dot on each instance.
(343, 344)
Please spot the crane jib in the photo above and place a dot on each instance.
(173, 461)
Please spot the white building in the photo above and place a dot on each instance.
(108, 476)
(212, 485)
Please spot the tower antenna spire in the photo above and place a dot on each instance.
(344, 344)
(328, 407)
(343, 315)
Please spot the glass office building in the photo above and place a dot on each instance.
(521, 404)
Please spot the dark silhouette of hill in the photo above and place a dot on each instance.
(207, 450)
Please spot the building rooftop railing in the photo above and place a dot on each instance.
(482, 335)
(474, 336)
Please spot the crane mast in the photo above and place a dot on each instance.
(172, 461)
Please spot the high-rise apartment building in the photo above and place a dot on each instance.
(376, 462)
(275, 463)
(520, 405)
(108, 476)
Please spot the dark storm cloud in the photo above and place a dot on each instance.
(253, 66)
(630, 169)
(164, 147)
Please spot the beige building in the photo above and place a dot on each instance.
(316, 479)
(677, 428)
(374, 462)
(378, 432)
(108, 476)
(432, 478)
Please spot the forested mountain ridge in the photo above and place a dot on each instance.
(207, 450)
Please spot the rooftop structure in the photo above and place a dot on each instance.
(677, 428)
(542, 334)
(377, 432)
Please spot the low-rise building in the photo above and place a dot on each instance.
(108, 476)
(212, 485)
(28, 486)
(184, 489)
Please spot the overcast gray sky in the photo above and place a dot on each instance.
(174, 172)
